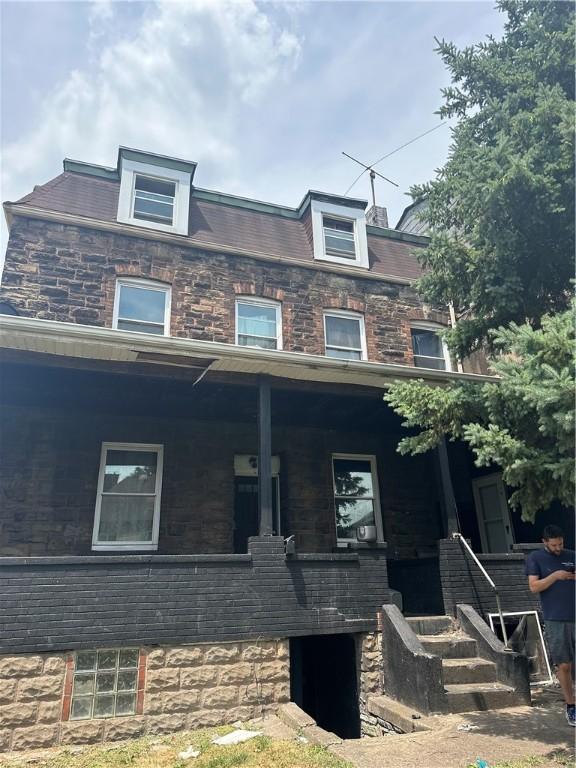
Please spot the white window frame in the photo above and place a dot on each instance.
(435, 329)
(349, 316)
(356, 216)
(376, 498)
(182, 180)
(152, 544)
(256, 300)
(134, 282)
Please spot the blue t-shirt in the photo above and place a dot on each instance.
(558, 600)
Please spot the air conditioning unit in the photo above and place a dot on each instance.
(366, 533)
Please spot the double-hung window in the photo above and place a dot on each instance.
(154, 199)
(142, 305)
(128, 499)
(429, 349)
(344, 335)
(339, 234)
(339, 237)
(356, 497)
(258, 323)
(155, 196)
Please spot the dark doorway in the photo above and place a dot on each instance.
(418, 581)
(246, 520)
(323, 682)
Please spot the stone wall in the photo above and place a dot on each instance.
(187, 687)
(68, 273)
(369, 675)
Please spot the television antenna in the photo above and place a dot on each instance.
(373, 175)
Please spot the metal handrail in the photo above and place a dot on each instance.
(456, 535)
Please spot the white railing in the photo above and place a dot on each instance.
(489, 580)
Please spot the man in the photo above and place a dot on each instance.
(550, 574)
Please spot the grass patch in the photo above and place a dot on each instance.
(560, 759)
(162, 752)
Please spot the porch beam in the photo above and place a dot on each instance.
(264, 457)
(449, 505)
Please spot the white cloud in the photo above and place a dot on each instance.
(175, 84)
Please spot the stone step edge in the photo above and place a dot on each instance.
(392, 711)
(462, 689)
(294, 717)
(468, 661)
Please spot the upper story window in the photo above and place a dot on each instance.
(154, 197)
(339, 234)
(344, 335)
(429, 349)
(142, 305)
(128, 500)
(339, 237)
(258, 323)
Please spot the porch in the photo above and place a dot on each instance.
(216, 565)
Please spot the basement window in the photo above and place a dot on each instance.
(127, 514)
(105, 684)
(430, 350)
(142, 306)
(344, 335)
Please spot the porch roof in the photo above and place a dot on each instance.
(106, 344)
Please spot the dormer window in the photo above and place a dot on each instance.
(339, 234)
(339, 237)
(430, 350)
(154, 199)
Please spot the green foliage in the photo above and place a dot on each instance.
(524, 423)
(501, 210)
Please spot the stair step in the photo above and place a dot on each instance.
(471, 670)
(430, 625)
(474, 697)
(449, 646)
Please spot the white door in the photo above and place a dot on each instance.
(493, 514)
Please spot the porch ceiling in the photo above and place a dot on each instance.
(48, 337)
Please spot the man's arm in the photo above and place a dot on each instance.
(536, 584)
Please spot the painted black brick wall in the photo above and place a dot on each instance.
(65, 603)
(463, 582)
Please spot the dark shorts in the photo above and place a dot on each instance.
(560, 639)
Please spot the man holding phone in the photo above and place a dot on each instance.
(550, 574)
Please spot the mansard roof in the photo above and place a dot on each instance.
(227, 221)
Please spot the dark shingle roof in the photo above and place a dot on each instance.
(220, 224)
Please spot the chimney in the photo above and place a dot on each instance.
(377, 216)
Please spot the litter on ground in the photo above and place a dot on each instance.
(189, 753)
(236, 737)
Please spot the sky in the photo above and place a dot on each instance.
(264, 96)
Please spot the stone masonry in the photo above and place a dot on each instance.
(369, 675)
(69, 273)
(186, 687)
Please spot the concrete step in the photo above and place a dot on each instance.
(475, 697)
(430, 625)
(472, 670)
(454, 646)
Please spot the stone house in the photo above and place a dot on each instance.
(202, 506)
